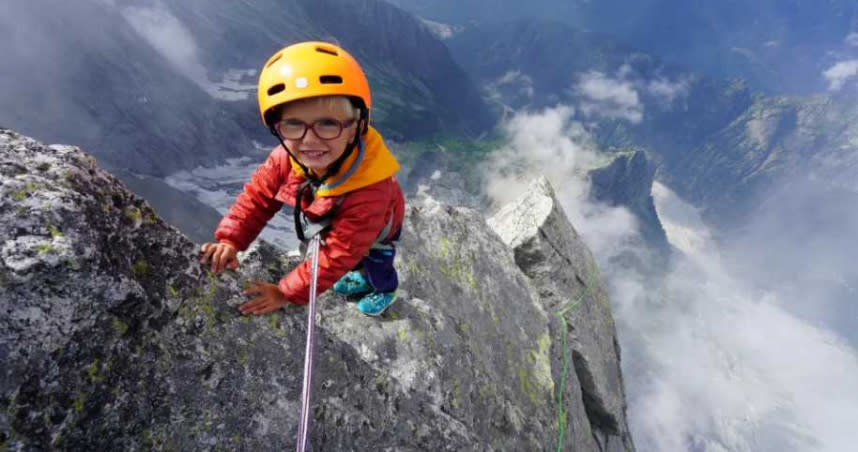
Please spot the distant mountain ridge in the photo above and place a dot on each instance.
(718, 142)
(779, 46)
(158, 87)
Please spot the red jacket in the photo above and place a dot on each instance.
(364, 197)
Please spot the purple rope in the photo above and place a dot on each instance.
(304, 425)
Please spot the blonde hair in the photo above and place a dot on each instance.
(333, 103)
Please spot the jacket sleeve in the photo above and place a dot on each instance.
(354, 229)
(254, 207)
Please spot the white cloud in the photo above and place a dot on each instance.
(709, 363)
(614, 98)
(723, 366)
(667, 91)
(852, 39)
(440, 30)
(840, 73)
(550, 143)
(169, 36)
(512, 88)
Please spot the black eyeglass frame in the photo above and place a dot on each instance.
(342, 126)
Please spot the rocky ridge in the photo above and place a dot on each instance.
(115, 337)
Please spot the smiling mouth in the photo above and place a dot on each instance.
(314, 154)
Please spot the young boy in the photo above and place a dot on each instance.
(333, 168)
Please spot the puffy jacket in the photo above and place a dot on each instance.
(361, 199)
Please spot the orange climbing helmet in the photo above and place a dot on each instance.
(312, 69)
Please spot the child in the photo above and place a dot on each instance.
(333, 168)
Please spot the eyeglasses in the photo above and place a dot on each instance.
(325, 128)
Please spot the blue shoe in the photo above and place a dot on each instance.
(352, 283)
(376, 303)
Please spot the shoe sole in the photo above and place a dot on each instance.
(383, 310)
(351, 294)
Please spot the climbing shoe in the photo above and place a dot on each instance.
(352, 283)
(376, 303)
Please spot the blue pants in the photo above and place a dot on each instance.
(378, 268)
(379, 271)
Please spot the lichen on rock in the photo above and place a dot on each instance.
(116, 337)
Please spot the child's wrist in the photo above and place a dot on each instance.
(228, 242)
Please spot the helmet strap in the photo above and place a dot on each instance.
(334, 167)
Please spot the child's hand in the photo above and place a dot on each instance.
(270, 299)
(221, 254)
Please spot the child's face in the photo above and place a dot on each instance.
(314, 152)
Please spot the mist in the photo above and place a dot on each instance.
(712, 360)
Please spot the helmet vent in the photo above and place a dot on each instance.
(274, 60)
(331, 79)
(326, 50)
(276, 89)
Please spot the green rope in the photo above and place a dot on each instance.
(561, 409)
(587, 294)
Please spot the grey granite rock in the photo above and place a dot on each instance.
(558, 262)
(434, 174)
(114, 337)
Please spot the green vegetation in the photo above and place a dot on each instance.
(119, 326)
(45, 248)
(79, 402)
(54, 231)
(455, 267)
(93, 372)
(134, 214)
(28, 189)
(139, 268)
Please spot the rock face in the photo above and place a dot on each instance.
(550, 252)
(434, 174)
(114, 336)
(627, 182)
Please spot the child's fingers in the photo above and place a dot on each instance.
(207, 250)
(266, 308)
(219, 260)
(254, 288)
(252, 306)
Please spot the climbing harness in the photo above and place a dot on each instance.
(304, 424)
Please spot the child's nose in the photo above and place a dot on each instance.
(311, 137)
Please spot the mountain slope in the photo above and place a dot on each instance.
(718, 143)
(779, 46)
(158, 87)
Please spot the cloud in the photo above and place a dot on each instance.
(551, 143)
(614, 98)
(440, 30)
(840, 73)
(523, 81)
(667, 91)
(852, 39)
(710, 361)
(169, 36)
(512, 88)
(757, 376)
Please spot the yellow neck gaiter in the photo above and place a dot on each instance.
(369, 162)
